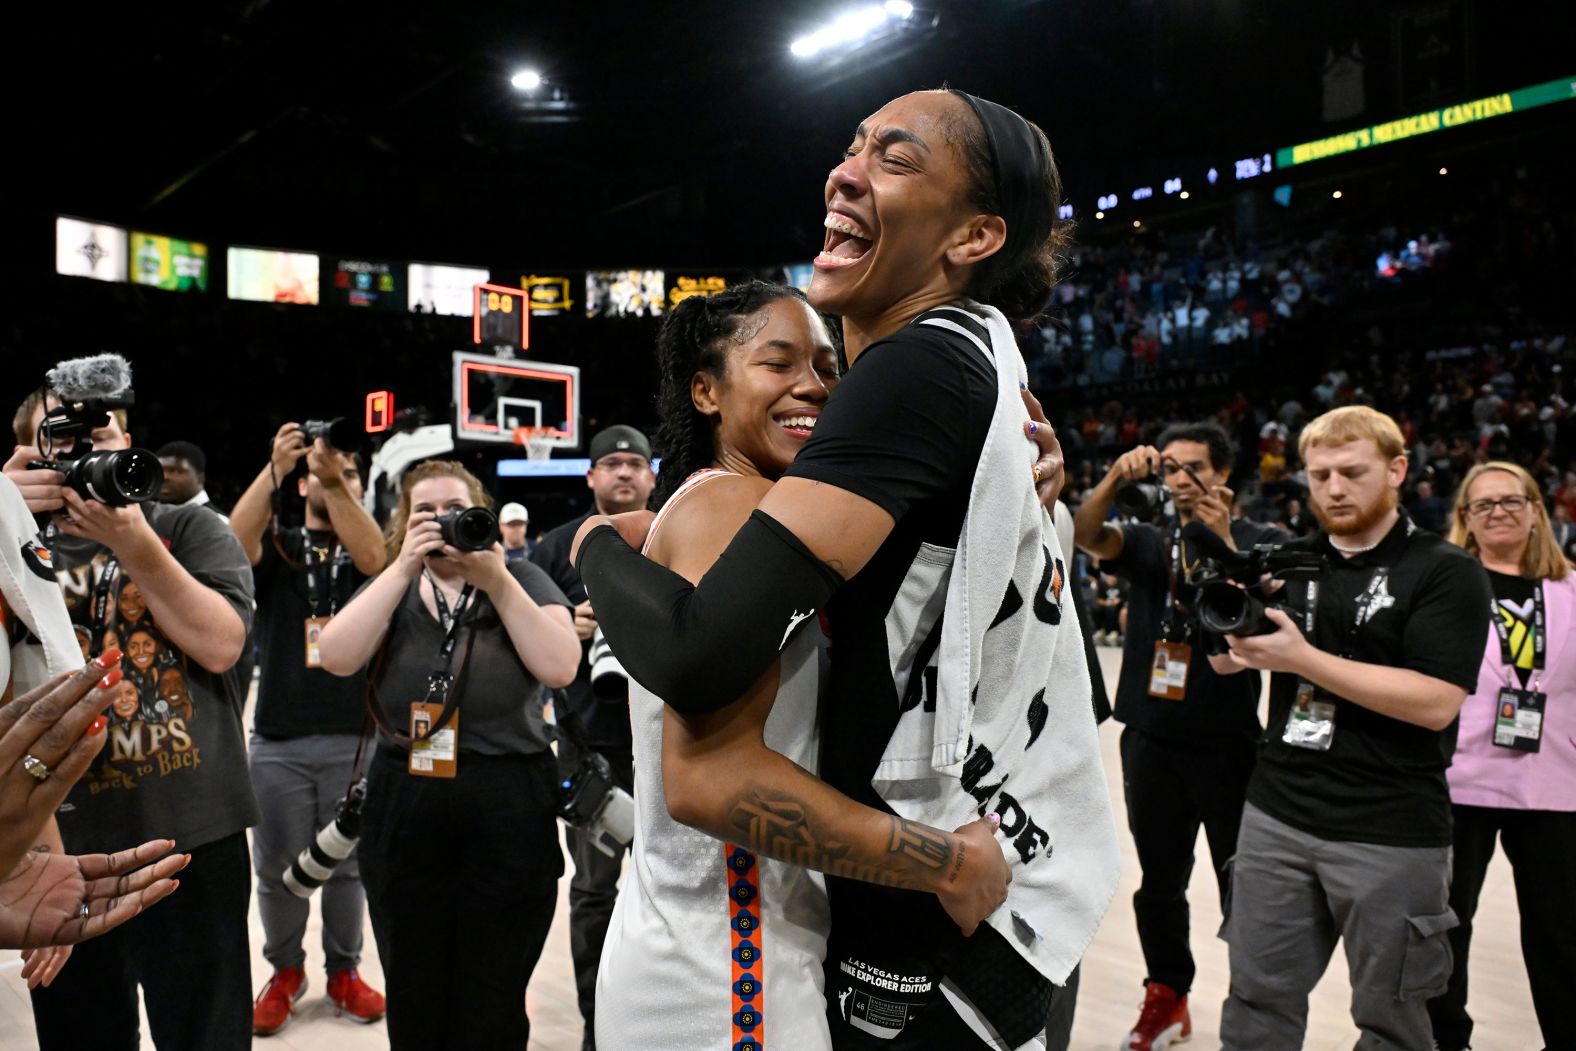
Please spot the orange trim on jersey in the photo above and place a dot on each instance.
(744, 925)
(705, 474)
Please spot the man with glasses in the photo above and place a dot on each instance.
(1187, 746)
(620, 479)
(1347, 830)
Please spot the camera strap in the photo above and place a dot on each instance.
(1539, 637)
(1176, 573)
(101, 591)
(440, 682)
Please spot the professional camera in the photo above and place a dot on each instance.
(589, 800)
(341, 434)
(609, 680)
(1143, 500)
(87, 389)
(333, 844)
(469, 529)
(1232, 592)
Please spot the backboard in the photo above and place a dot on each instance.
(493, 397)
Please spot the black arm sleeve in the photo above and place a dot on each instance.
(701, 648)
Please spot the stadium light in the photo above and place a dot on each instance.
(526, 80)
(1184, 195)
(852, 27)
(1099, 215)
(1444, 171)
(1336, 195)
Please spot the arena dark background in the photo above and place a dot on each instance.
(692, 138)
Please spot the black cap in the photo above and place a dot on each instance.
(619, 439)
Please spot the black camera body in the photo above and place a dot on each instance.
(590, 800)
(1143, 500)
(1232, 587)
(469, 528)
(115, 478)
(340, 433)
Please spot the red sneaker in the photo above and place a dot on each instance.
(1162, 1022)
(354, 997)
(271, 1010)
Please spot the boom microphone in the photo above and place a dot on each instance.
(102, 378)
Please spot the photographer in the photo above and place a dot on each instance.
(620, 480)
(1347, 830)
(307, 559)
(459, 849)
(174, 581)
(1187, 745)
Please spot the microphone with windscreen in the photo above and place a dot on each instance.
(85, 391)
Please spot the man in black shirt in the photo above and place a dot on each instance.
(1347, 830)
(620, 479)
(1187, 749)
(307, 723)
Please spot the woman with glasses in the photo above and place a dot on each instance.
(1514, 774)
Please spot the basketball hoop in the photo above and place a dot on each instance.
(537, 442)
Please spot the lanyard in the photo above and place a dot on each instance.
(1539, 634)
(450, 621)
(335, 559)
(106, 583)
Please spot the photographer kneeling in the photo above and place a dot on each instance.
(459, 850)
(1347, 830)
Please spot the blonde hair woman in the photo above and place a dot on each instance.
(1514, 775)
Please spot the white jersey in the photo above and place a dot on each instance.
(710, 947)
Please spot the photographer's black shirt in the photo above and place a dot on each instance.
(1217, 709)
(292, 699)
(1382, 780)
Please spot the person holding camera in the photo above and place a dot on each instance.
(1513, 778)
(1347, 830)
(620, 479)
(1187, 742)
(308, 557)
(173, 583)
(459, 849)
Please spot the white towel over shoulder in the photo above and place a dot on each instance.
(1012, 728)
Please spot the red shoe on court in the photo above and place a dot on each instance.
(272, 1008)
(1164, 1020)
(354, 997)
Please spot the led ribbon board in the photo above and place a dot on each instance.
(1425, 123)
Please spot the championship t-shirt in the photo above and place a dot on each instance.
(292, 699)
(175, 764)
(904, 430)
(1514, 604)
(1416, 602)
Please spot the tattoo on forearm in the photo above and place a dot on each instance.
(786, 829)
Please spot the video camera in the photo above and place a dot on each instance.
(1232, 592)
(589, 799)
(87, 389)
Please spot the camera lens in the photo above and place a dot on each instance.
(473, 529)
(1140, 499)
(117, 478)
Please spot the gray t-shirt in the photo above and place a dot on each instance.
(175, 763)
(500, 702)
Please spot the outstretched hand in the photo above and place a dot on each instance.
(42, 898)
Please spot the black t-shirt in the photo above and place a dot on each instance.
(1514, 599)
(606, 721)
(1421, 603)
(904, 430)
(500, 702)
(1217, 709)
(292, 699)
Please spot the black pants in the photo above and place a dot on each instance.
(461, 877)
(593, 889)
(1541, 846)
(1171, 790)
(190, 955)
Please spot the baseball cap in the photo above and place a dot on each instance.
(513, 513)
(618, 439)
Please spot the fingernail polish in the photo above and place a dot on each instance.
(994, 818)
(109, 657)
(1022, 385)
(109, 681)
(1034, 428)
(97, 726)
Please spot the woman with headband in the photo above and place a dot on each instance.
(958, 685)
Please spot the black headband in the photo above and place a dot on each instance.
(1018, 157)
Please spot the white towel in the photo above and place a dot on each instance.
(39, 642)
(1012, 729)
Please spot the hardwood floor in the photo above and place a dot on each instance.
(1107, 1004)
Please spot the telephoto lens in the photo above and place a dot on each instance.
(469, 529)
(333, 845)
(341, 434)
(609, 680)
(114, 478)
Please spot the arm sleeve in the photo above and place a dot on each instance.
(1448, 622)
(701, 647)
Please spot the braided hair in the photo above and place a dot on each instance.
(694, 338)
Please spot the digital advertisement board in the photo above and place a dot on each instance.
(84, 249)
(264, 275)
(624, 293)
(438, 289)
(365, 283)
(169, 263)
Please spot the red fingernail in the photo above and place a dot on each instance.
(108, 658)
(97, 726)
(109, 681)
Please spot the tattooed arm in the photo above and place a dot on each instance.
(720, 777)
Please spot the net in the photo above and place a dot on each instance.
(537, 442)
